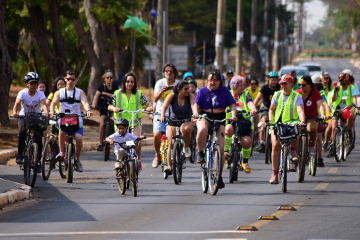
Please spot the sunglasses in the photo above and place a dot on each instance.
(253, 84)
(302, 85)
(109, 77)
(71, 79)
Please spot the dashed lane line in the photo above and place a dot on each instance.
(322, 186)
(333, 170)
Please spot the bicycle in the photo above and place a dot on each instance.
(193, 143)
(33, 121)
(212, 168)
(69, 125)
(127, 174)
(267, 136)
(286, 133)
(108, 129)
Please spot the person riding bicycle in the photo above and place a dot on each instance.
(265, 95)
(344, 96)
(352, 81)
(70, 98)
(327, 83)
(102, 95)
(212, 100)
(121, 135)
(131, 99)
(243, 102)
(253, 90)
(188, 76)
(229, 76)
(286, 107)
(312, 102)
(163, 88)
(180, 102)
(31, 101)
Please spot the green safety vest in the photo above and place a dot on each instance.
(289, 112)
(242, 98)
(132, 105)
(348, 101)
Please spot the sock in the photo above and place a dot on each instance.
(275, 172)
(245, 160)
(246, 153)
(227, 144)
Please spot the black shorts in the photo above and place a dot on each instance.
(174, 124)
(244, 127)
(103, 112)
(265, 113)
(215, 116)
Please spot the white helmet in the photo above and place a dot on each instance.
(348, 71)
(316, 79)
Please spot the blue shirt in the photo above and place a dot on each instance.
(220, 98)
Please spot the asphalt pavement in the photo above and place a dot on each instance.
(326, 205)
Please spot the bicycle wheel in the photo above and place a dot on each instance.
(284, 168)
(313, 163)
(193, 145)
(267, 145)
(302, 159)
(338, 144)
(32, 164)
(352, 144)
(70, 163)
(136, 164)
(252, 140)
(47, 159)
(164, 161)
(176, 163)
(121, 180)
(132, 176)
(233, 164)
(346, 144)
(214, 170)
(107, 145)
(204, 172)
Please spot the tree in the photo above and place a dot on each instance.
(6, 72)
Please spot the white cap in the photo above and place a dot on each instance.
(316, 78)
(348, 71)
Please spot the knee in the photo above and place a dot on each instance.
(157, 135)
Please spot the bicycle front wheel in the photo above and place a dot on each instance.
(193, 145)
(302, 159)
(163, 162)
(313, 163)
(267, 145)
(47, 159)
(31, 163)
(107, 145)
(132, 176)
(176, 163)
(233, 164)
(284, 168)
(214, 170)
(352, 144)
(346, 145)
(252, 141)
(338, 148)
(121, 180)
(70, 163)
(204, 172)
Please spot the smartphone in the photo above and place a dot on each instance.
(169, 88)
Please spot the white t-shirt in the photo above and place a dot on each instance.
(28, 103)
(118, 138)
(159, 84)
(73, 107)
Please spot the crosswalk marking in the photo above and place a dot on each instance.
(333, 170)
(322, 186)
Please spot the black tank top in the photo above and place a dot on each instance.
(180, 112)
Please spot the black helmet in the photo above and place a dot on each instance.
(193, 82)
(248, 78)
(229, 72)
(122, 121)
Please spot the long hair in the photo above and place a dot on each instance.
(47, 90)
(123, 88)
(180, 86)
(319, 86)
(54, 84)
(308, 80)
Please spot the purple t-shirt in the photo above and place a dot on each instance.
(221, 98)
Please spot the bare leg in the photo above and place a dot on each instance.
(203, 128)
(170, 132)
(101, 132)
(78, 147)
(186, 129)
(275, 154)
(157, 141)
(138, 144)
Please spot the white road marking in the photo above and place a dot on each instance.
(322, 186)
(118, 232)
(333, 170)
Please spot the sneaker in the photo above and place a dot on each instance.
(117, 165)
(321, 162)
(187, 152)
(311, 151)
(201, 157)
(293, 155)
(246, 167)
(139, 165)
(256, 146)
(167, 169)
(79, 167)
(274, 179)
(19, 159)
(60, 156)
(325, 146)
(100, 148)
(157, 161)
(226, 160)
(221, 184)
(39, 168)
(261, 148)
(293, 166)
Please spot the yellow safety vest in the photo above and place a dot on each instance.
(132, 104)
(289, 112)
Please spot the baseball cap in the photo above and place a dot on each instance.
(287, 78)
(316, 79)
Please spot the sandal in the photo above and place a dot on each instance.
(100, 148)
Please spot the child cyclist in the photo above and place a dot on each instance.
(120, 136)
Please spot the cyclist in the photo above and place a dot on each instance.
(31, 101)
(265, 95)
(131, 99)
(253, 90)
(163, 88)
(120, 136)
(101, 98)
(70, 98)
(293, 75)
(327, 83)
(244, 102)
(352, 81)
(181, 102)
(212, 100)
(188, 76)
(313, 101)
(286, 107)
(316, 79)
(43, 86)
(247, 82)
(229, 76)
(57, 85)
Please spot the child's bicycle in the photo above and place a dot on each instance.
(128, 173)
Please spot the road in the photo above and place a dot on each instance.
(327, 205)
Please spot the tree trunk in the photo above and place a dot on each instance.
(6, 71)
(117, 50)
(57, 66)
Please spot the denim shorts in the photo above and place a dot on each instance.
(157, 125)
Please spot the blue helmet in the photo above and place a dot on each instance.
(273, 74)
(222, 77)
(188, 74)
(31, 76)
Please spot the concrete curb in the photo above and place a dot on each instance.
(6, 154)
(13, 195)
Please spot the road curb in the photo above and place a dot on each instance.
(6, 154)
(13, 195)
